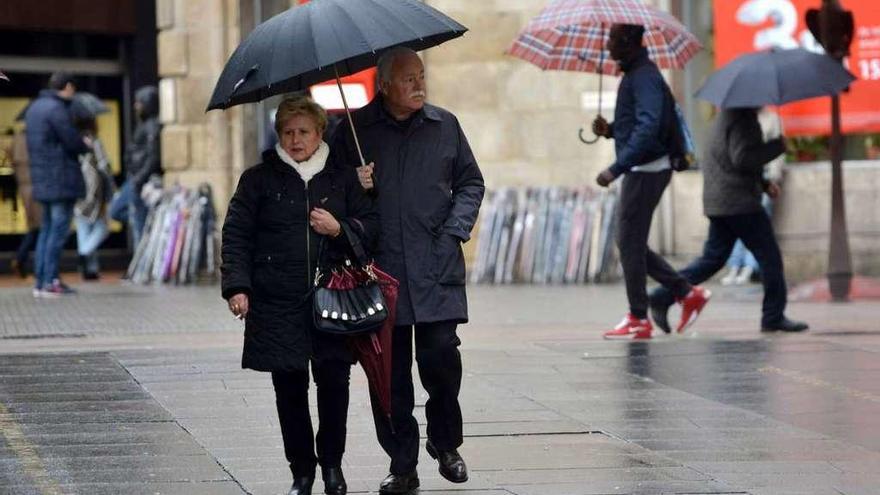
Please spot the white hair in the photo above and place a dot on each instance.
(386, 61)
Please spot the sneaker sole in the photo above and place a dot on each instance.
(625, 337)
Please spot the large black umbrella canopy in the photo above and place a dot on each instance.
(322, 40)
(775, 77)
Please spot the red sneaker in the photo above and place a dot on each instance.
(631, 328)
(691, 306)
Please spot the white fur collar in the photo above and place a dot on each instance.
(310, 167)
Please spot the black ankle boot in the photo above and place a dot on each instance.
(302, 486)
(334, 481)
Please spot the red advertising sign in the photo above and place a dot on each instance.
(743, 26)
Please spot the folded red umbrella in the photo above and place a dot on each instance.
(373, 350)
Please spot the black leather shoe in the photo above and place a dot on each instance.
(785, 325)
(399, 484)
(302, 486)
(659, 311)
(334, 482)
(452, 466)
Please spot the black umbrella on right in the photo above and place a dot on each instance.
(774, 77)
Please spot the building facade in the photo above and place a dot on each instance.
(521, 122)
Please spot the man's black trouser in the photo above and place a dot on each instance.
(756, 232)
(639, 196)
(292, 400)
(439, 365)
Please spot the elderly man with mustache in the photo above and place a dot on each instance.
(428, 189)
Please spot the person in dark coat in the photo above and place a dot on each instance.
(143, 156)
(32, 211)
(428, 189)
(642, 145)
(733, 182)
(282, 212)
(53, 145)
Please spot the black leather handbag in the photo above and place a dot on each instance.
(347, 296)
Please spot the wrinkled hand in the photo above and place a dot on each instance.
(605, 178)
(601, 127)
(323, 222)
(239, 305)
(773, 190)
(365, 175)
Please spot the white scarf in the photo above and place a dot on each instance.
(311, 166)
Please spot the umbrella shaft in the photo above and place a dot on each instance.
(357, 143)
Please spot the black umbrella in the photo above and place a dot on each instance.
(774, 77)
(323, 40)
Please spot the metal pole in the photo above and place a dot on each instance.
(839, 259)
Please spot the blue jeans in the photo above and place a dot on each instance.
(118, 209)
(89, 236)
(53, 233)
(741, 256)
(756, 232)
(137, 216)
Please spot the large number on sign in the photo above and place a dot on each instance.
(870, 69)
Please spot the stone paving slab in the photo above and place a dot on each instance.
(549, 408)
(102, 443)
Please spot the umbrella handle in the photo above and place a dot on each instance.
(601, 63)
(357, 143)
(584, 140)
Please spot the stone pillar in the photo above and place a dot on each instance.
(195, 39)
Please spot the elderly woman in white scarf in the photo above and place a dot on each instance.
(283, 211)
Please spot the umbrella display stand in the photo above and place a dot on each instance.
(179, 242)
(547, 235)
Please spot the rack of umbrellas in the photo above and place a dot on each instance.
(546, 235)
(179, 243)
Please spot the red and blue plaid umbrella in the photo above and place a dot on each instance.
(572, 34)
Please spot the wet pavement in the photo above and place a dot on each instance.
(139, 390)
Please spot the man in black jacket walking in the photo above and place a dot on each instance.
(429, 190)
(732, 186)
(642, 144)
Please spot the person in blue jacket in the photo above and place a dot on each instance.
(642, 144)
(53, 145)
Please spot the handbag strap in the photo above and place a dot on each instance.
(354, 240)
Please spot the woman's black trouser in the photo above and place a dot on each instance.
(292, 399)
